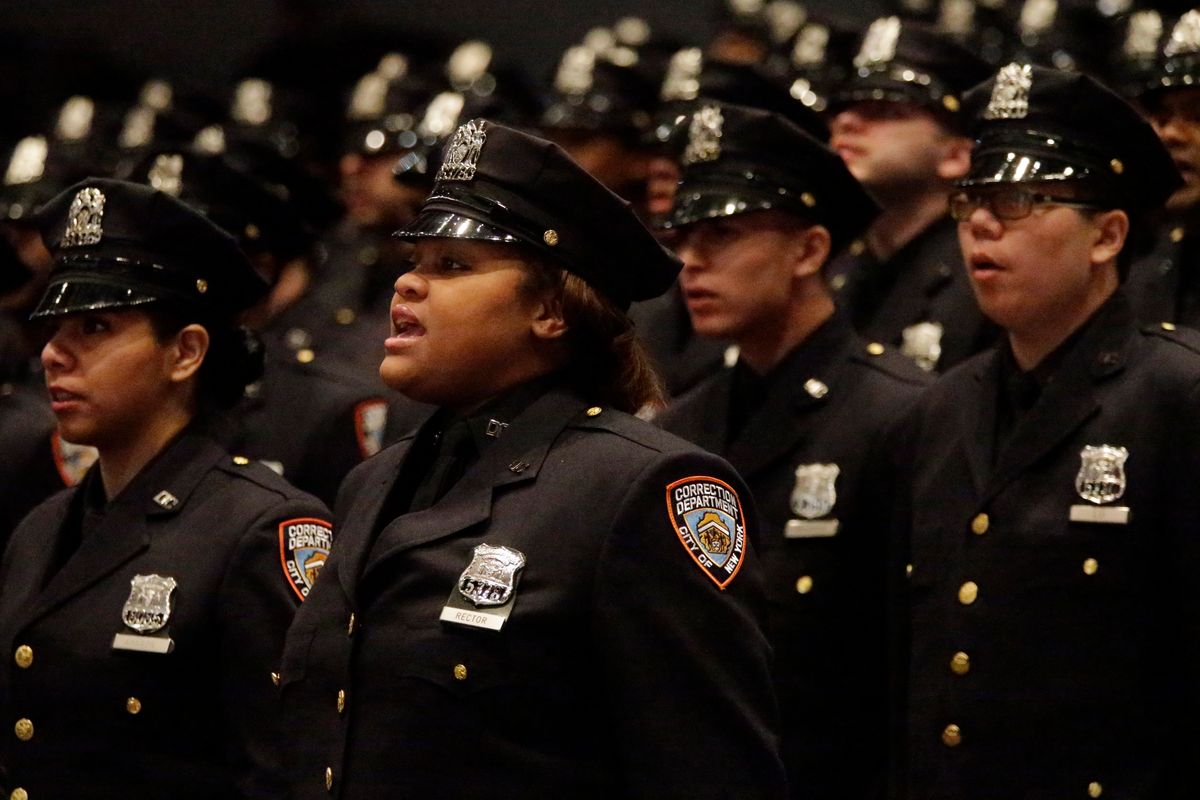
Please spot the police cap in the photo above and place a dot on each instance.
(120, 245)
(741, 159)
(498, 184)
(1179, 64)
(1035, 125)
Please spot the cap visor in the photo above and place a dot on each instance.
(697, 205)
(435, 224)
(1013, 166)
(70, 295)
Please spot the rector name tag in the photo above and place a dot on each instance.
(810, 528)
(140, 643)
(1105, 515)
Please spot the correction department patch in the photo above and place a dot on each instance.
(707, 516)
(303, 547)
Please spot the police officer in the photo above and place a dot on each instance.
(1164, 281)
(761, 208)
(537, 595)
(142, 612)
(1051, 495)
(897, 123)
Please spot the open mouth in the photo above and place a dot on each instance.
(983, 266)
(405, 327)
(60, 398)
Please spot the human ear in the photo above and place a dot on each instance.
(810, 251)
(548, 322)
(956, 158)
(1112, 228)
(188, 351)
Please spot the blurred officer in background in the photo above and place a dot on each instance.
(897, 123)
(761, 208)
(1164, 282)
(145, 609)
(1051, 498)
(536, 578)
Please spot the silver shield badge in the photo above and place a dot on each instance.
(1101, 477)
(84, 219)
(462, 153)
(879, 45)
(923, 344)
(1010, 93)
(490, 577)
(815, 493)
(704, 135)
(149, 605)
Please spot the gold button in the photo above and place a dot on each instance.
(804, 584)
(133, 705)
(960, 663)
(875, 349)
(968, 592)
(1168, 326)
(808, 199)
(950, 102)
(252, 231)
(275, 678)
(1090, 566)
(908, 570)
(1177, 235)
(344, 316)
(1095, 789)
(23, 729)
(329, 778)
(550, 237)
(201, 285)
(305, 356)
(19, 794)
(1117, 166)
(594, 411)
(341, 700)
(460, 672)
(952, 736)
(241, 461)
(350, 625)
(24, 656)
(857, 247)
(979, 525)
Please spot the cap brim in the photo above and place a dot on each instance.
(1014, 166)
(72, 294)
(440, 224)
(697, 205)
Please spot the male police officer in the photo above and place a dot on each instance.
(761, 207)
(898, 125)
(1052, 507)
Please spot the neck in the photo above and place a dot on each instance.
(122, 461)
(1031, 344)
(765, 349)
(901, 222)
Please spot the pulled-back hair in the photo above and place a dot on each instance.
(607, 363)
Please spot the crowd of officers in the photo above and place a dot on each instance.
(933, 316)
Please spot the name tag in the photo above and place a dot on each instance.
(1105, 515)
(810, 528)
(473, 618)
(143, 644)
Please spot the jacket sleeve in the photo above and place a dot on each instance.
(685, 659)
(258, 601)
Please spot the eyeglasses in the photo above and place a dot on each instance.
(1005, 204)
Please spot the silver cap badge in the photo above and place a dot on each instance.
(784, 18)
(575, 71)
(393, 66)
(923, 344)
(810, 47)
(1142, 35)
(1010, 94)
(28, 161)
(704, 136)
(369, 97)
(463, 151)
(1037, 17)
(75, 119)
(490, 578)
(138, 129)
(84, 218)
(632, 31)
(441, 115)
(156, 94)
(879, 45)
(1185, 36)
(683, 75)
(816, 493)
(252, 102)
(957, 17)
(166, 174)
(149, 605)
(1101, 477)
(210, 140)
(468, 63)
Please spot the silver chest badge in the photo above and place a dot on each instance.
(149, 605)
(1101, 477)
(704, 136)
(462, 153)
(84, 219)
(813, 497)
(1010, 93)
(923, 344)
(490, 578)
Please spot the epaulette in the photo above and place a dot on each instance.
(257, 473)
(891, 363)
(626, 426)
(1179, 334)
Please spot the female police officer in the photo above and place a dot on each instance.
(142, 612)
(537, 595)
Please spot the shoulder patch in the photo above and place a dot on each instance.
(303, 547)
(707, 516)
(370, 425)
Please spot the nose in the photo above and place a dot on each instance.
(411, 286)
(1169, 128)
(56, 356)
(690, 254)
(983, 224)
(845, 122)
